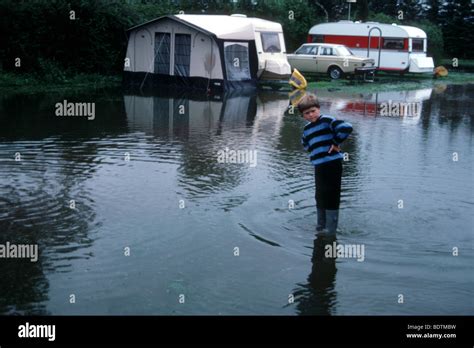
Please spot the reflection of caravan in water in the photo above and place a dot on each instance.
(186, 115)
(404, 104)
(393, 47)
(206, 51)
(196, 136)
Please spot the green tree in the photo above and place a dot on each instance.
(410, 9)
(76, 36)
(383, 18)
(433, 11)
(336, 9)
(389, 7)
(362, 10)
(457, 24)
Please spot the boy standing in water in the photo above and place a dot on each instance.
(322, 136)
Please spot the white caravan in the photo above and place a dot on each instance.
(393, 47)
(269, 40)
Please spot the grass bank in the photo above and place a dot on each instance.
(466, 65)
(32, 84)
(391, 82)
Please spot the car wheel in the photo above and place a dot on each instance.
(335, 73)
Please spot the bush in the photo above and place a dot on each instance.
(42, 33)
(382, 18)
(50, 71)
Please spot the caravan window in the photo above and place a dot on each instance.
(270, 42)
(182, 54)
(393, 44)
(317, 38)
(237, 65)
(162, 53)
(417, 45)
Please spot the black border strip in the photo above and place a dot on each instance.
(238, 329)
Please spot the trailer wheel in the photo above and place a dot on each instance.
(335, 73)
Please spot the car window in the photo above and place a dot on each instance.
(344, 51)
(326, 51)
(303, 50)
(307, 50)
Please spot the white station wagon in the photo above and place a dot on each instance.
(335, 60)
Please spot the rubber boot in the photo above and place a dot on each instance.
(332, 218)
(321, 220)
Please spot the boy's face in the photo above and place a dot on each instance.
(312, 114)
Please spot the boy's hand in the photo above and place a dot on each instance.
(334, 148)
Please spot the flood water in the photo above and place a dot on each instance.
(159, 226)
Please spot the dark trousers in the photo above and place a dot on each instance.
(328, 184)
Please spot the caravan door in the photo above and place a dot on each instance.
(237, 62)
(268, 47)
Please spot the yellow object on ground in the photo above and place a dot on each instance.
(440, 71)
(296, 95)
(297, 80)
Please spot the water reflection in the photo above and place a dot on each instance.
(318, 295)
(56, 159)
(35, 209)
(445, 103)
(32, 117)
(202, 126)
(405, 105)
(173, 140)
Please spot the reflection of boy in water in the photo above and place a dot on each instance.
(322, 136)
(318, 296)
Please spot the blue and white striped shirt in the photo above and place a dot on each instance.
(320, 135)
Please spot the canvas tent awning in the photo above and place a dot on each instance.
(224, 27)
